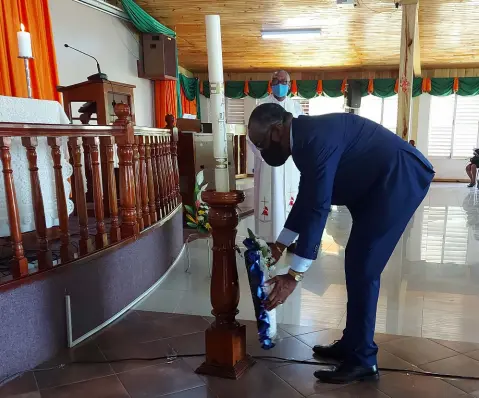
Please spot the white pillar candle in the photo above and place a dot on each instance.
(217, 100)
(24, 43)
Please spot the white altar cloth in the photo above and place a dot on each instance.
(25, 110)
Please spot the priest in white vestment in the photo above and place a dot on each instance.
(275, 188)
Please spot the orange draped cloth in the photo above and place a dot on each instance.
(165, 101)
(34, 14)
(187, 106)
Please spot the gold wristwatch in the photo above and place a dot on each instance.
(298, 276)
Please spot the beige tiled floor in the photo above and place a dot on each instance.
(430, 287)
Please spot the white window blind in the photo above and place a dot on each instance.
(380, 110)
(444, 238)
(322, 105)
(235, 111)
(454, 123)
(304, 104)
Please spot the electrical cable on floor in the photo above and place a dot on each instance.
(172, 358)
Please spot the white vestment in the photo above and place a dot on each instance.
(275, 188)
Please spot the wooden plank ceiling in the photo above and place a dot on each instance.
(364, 37)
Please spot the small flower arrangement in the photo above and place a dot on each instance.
(256, 243)
(197, 216)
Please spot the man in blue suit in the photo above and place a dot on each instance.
(344, 160)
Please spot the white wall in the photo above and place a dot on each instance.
(106, 38)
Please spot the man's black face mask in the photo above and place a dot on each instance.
(274, 155)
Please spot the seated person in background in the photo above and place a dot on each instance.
(413, 143)
(471, 168)
(170, 121)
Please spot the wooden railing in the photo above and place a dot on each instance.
(148, 186)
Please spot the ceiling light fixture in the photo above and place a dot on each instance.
(290, 33)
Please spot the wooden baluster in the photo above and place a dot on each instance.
(161, 176)
(151, 185)
(165, 174)
(86, 245)
(44, 255)
(174, 158)
(66, 252)
(19, 263)
(129, 224)
(105, 177)
(155, 175)
(144, 183)
(169, 166)
(101, 238)
(107, 143)
(136, 160)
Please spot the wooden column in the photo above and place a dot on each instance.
(174, 158)
(107, 143)
(44, 254)
(66, 252)
(101, 238)
(129, 224)
(171, 178)
(18, 263)
(136, 166)
(151, 184)
(161, 176)
(85, 244)
(155, 176)
(409, 38)
(144, 183)
(225, 338)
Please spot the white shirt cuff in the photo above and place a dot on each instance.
(300, 264)
(287, 237)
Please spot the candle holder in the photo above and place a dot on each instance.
(27, 74)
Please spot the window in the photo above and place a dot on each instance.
(380, 110)
(235, 111)
(454, 123)
(322, 105)
(444, 238)
(304, 104)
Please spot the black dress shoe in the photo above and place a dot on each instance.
(344, 374)
(334, 351)
(291, 248)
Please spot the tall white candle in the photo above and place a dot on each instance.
(217, 99)
(24, 43)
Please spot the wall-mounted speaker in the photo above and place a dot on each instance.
(157, 57)
(353, 95)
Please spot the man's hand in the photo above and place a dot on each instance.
(284, 285)
(277, 250)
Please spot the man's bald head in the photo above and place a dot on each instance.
(268, 130)
(281, 75)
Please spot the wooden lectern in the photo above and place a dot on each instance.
(103, 94)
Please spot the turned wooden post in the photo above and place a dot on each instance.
(44, 255)
(101, 238)
(85, 243)
(161, 174)
(151, 185)
(144, 183)
(170, 172)
(166, 173)
(66, 252)
(155, 176)
(129, 224)
(136, 160)
(225, 338)
(174, 158)
(107, 143)
(18, 263)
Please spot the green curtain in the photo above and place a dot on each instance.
(206, 89)
(441, 86)
(191, 88)
(332, 88)
(363, 86)
(384, 88)
(307, 88)
(417, 86)
(257, 89)
(234, 89)
(468, 86)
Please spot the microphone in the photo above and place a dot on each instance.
(96, 76)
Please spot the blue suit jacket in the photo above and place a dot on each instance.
(343, 158)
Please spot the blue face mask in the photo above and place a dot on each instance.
(280, 90)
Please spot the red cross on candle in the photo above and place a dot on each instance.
(265, 211)
(405, 84)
